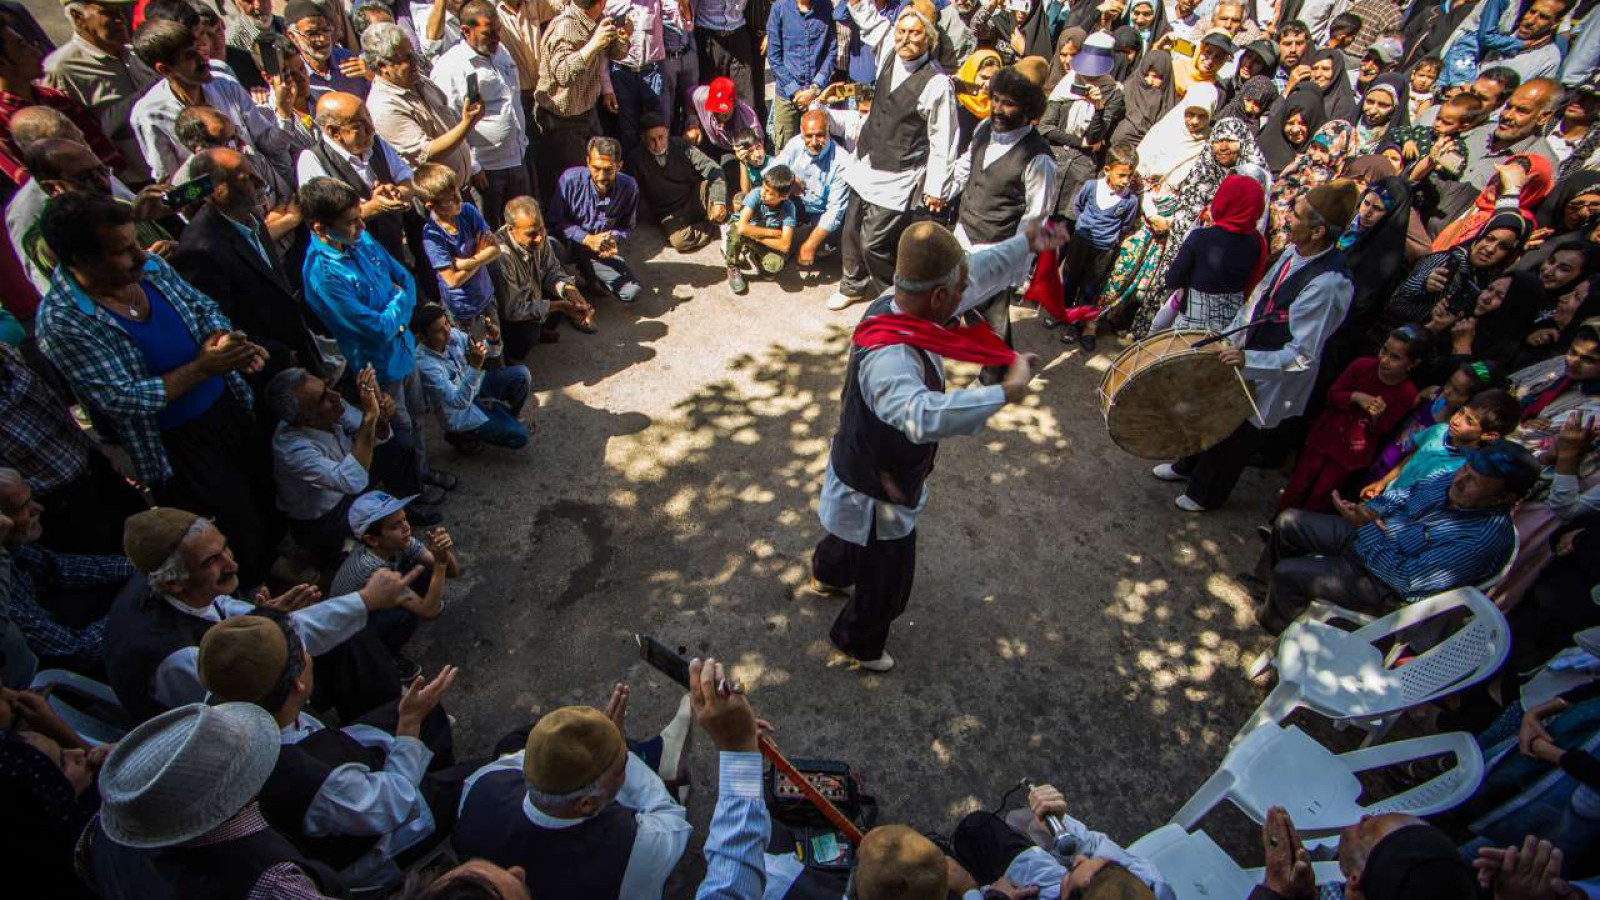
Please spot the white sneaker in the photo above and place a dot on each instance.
(882, 664)
(1184, 503)
(1166, 472)
(842, 301)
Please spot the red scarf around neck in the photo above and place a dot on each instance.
(968, 343)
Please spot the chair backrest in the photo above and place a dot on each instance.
(1471, 654)
(1193, 864)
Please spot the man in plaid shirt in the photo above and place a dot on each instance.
(76, 587)
(156, 360)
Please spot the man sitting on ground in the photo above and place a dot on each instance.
(817, 161)
(352, 797)
(683, 186)
(594, 209)
(536, 289)
(1447, 531)
(325, 452)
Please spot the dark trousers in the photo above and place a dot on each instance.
(1213, 474)
(221, 469)
(563, 143)
(85, 515)
(871, 240)
(985, 845)
(638, 91)
(357, 676)
(394, 468)
(504, 184)
(997, 312)
(1311, 556)
(733, 54)
(1074, 169)
(881, 573)
(1083, 271)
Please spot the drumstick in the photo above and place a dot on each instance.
(1245, 386)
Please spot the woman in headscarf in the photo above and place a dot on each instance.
(1571, 297)
(1290, 125)
(1333, 82)
(972, 93)
(1366, 170)
(1210, 55)
(1137, 282)
(1147, 95)
(1520, 185)
(1324, 156)
(49, 796)
(1174, 144)
(1039, 28)
(1082, 110)
(1219, 263)
(1250, 105)
(1149, 21)
(1257, 58)
(1128, 48)
(1572, 210)
(1067, 46)
(1374, 248)
(1450, 282)
(1382, 111)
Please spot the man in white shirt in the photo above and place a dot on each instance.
(187, 80)
(895, 411)
(908, 148)
(500, 138)
(352, 152)
(98, 69)
(153, 639)
(436, 25)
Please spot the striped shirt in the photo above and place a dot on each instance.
(735, 865)
(1426, 546)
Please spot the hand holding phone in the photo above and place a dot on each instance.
(473, 94)
(188, 193)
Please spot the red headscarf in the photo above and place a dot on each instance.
(1237, 207)
(1541, 179)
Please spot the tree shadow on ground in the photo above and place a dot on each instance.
(1068, 624)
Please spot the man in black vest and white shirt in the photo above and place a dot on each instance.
(153, 639)
(895, 410)
(906, 151)
(352, 797)
(1008, 175)
(350, 150)
(579, 809)
(1301, 300)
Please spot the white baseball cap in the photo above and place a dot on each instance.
(371, 507)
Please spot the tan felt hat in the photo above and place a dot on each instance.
(149, 537)
(894, 862)
(570, 748)
(243, 658)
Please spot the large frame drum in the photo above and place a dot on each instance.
(1163, 399)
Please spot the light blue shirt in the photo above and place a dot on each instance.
(825, 194)
(365, 298)
(451, 384)
(739, 832)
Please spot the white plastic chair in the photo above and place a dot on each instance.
(1197, 869)
(1276, 766)
(1341, 674)
(72, 694)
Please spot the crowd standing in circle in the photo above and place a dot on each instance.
(255, 246)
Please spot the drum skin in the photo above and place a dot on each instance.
(1162, 399)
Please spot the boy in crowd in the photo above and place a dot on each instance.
(743, 169)
(1106, 209)
(475, 407)
(1487, 417)
(458, 243)
(765, 230)
(386, 541)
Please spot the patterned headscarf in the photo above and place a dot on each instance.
(1200, 185)
(1319, 163)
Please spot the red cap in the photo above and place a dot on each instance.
(719, 99)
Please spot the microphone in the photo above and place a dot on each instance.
(1064, 843)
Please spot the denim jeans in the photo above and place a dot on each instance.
(638, 92)
(501, 398)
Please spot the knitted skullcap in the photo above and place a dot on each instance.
(149, 537)
(927, 253)
(896, 863)
(569, 749)
(1113, 882)
(1034, 68)
(242, 658)
(1335, 202)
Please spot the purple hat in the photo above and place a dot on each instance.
(1096, 57)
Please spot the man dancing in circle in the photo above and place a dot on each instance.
(895, 410)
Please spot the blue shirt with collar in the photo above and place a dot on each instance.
(1426, 546)
(365, 299)
(800, 45)
(825, 193)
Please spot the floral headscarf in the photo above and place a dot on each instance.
(1319, 163)
(1200, 185)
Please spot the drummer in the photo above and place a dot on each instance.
(894, 411)
(1301, 299)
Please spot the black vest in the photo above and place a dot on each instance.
(869, 456)
(142, 630)
(895, 135)
(584, 861)
(389, 229)
(996, 197)
(670, 188)
(1270, 334)
(222, 871)
(298, 777)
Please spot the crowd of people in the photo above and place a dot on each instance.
(252, 249)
